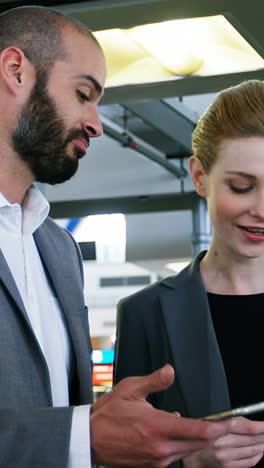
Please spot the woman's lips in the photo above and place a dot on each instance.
(252, 233)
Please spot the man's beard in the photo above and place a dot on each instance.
(41, 139)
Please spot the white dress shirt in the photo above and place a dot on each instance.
(17, 225)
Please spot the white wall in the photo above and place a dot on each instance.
(102, 301)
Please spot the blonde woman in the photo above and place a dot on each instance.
(208, 321)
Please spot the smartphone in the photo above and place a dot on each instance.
(242, 411)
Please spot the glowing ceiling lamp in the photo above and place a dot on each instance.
(163, 51)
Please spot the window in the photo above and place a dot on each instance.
(124, 281)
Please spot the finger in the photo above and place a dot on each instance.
(176, 452)
(201, 430)
(166, 453)
(173, 427)
(176, 457)
(244, 463)
(140, 387)
(239, 440)
(237, 453)
(246, 426)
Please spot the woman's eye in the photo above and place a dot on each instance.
(83, 97)
(240, 189)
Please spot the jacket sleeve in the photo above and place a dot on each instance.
(35, 437)
(139, 346)
(138, 349)
(131, 350)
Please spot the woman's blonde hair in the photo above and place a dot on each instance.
(235, 112)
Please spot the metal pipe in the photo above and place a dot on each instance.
(129, 141)
(202, 231)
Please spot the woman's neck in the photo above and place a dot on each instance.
(223, 273)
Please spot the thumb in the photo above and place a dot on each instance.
(140, 387)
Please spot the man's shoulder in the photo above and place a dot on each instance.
(51, 235)
(55, 229)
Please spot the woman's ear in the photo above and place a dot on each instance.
(198, 176)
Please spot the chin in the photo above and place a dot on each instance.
(76, 153)
(252, 252)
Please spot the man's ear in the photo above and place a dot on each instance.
(198, 176)
(13, 68)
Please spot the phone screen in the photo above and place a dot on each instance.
(242, 411)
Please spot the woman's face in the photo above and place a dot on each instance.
(234, 190)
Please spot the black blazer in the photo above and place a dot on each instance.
(170, 322)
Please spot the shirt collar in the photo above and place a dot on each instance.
(35, 209)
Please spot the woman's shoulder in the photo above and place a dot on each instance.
(151, 293)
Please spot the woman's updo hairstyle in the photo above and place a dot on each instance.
(235, 112)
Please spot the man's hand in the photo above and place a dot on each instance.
(127, 431)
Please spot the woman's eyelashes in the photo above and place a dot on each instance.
(237, 189)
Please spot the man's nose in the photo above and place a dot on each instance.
(93, 125)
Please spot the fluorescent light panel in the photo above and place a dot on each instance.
(163, 51)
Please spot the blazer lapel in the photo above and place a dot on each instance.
(54, 257)
(67, 284)
(10, 284)
(198, 364)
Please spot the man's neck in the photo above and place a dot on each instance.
(13, 195)
(15, 178)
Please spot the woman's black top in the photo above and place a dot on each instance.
(239, 326)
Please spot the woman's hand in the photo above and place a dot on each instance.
(241, 448)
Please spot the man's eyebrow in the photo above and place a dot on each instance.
(241, 174)
(96, 84)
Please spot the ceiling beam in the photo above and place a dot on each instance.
(166, 119)
(177, 87)
(125, 205)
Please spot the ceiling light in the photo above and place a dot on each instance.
(163, 51)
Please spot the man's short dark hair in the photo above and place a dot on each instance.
(38, 31)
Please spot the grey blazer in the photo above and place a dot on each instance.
(32, 433)
(170, 322)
